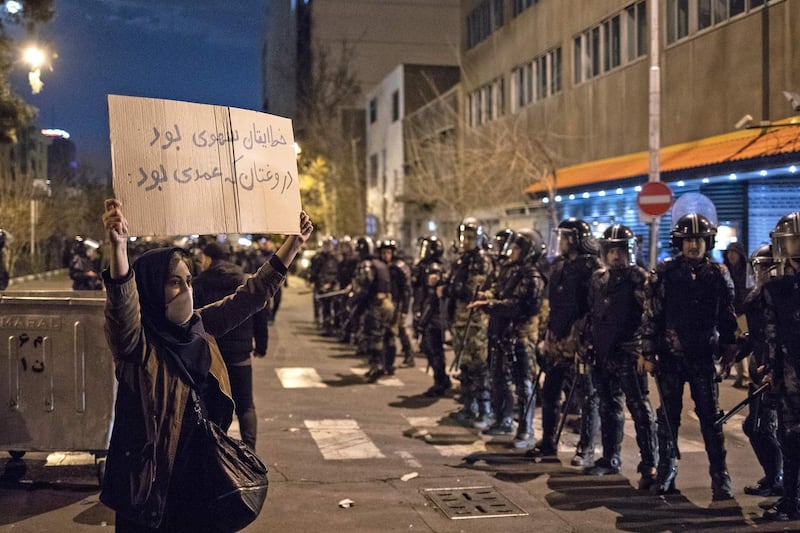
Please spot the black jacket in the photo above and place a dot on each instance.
(219, 280)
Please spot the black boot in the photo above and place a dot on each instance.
(766, 487)
(605, 467)
(665, 477)
(524, 438)
(504, 426)
(647, 478)
(485, 418)
(721, 486)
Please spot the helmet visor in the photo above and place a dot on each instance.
(612, 248)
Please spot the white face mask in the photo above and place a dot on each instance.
(180, 308)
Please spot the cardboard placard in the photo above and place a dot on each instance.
(181, 168)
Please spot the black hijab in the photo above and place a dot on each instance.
(186, 344)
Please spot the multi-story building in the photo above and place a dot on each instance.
(405, 89)
(578, 72)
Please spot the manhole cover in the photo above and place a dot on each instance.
(473, 502)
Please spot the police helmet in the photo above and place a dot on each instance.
(786, 239)
(619, 236)
(760, 266)
(431, 248)
(577, 235)
(501, 242)
(470, 226)
(693, 225)
(530, 243)
(365, 247)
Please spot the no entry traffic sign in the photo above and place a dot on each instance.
(654, 199)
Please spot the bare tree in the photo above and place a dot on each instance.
(330, 132)
(456, 169)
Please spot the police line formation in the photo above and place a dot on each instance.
(589, 325)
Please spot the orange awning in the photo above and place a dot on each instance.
(778, 138)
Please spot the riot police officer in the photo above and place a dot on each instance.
(761, 424)
(84, 267)
(429, 251)
(400, 277)
(323, 273)
(616, 302)
(345, 273)
(430, 328)
(568, 291)
(468, 328)
(782, 327)
(689, 303)
(512, 303)
(372, 304)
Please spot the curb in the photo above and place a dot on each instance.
(37, 276)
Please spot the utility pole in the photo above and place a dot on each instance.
(655, 119)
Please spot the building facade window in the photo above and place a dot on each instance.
(486, 103)
(687, 17)
(373, 110)
(395, 106)
(599, 49)
(373, 170)
(483, 20)
(521, 5)
(536, 80)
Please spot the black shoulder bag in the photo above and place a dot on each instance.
(235, 478)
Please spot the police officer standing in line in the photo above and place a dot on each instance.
(468, 328)
(429, 251)
(430, 328)
(345, 273)
(4, 277)
(761, 424)
(616, 302)
(512, 303)
(689, 303)
(568, 292)
(372, 304)
(323, 273)
(782, 316)
(399, 276)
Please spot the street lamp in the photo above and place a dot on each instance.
(35, 57)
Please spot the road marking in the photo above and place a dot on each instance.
(342, 439)
(409, 459)
(299, 378)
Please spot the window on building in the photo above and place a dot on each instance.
(677, 20)
(555, 71)
(736, 7)
(373, 110)
(483, 20)
(373, 170)
(636, 19)
(395, 106)
(600, 48)
(522, 5)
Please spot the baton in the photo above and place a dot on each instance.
(331, 294)
(741, 405)
(534, 388)
(673, 439)
(565, 406)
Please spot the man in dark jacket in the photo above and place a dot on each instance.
(220, 279)
(735, 258)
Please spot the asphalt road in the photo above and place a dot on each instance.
(329, 438)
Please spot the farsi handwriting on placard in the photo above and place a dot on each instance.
(170, 137)
(255, 136)
(187, 175)
(220, 138)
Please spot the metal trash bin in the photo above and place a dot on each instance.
(57, 383)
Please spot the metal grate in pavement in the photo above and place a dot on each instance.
(472, 502)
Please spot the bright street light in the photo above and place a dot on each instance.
(34, 57)
(13, 7)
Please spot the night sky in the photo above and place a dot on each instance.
(194, 50)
